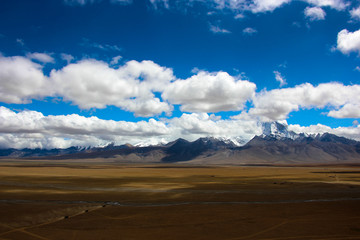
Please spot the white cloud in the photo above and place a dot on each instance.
(115, 60)
(355, 13)
(33, 129)
(348, 41)
(210, 92)
(249, 31)
(132, 87)
(255, 6)
(349, 110)
(195, 125)
(67, 57)
(267, 5)
(22, 80)
(88, 84)
(217, 29)
(239, 16)
(259, 6)
(41, 57)
(93, 84)
(280, 78)
(278, 103)
(357, 68)
(314, 13)
(146, 107)
(335, 4)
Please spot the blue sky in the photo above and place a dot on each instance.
(169, 68)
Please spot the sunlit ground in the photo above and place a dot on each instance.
(57, 200)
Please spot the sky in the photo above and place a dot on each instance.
(93, 72)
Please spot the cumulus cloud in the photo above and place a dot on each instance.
(33, 129)
(88, 84)
(255, 6)
(210, 92)
(349, 110)
(22, 80)
(134, 86)
(146, 107)
(195, 125)
(239, 16)
(314, 13)
(280, 78)
(267, 5)
(278, 103)
(355, 13)
(93, 84)
(41, 57)
(348, 41)
(249, 31)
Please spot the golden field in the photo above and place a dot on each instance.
(63, 200)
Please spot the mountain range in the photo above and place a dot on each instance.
(276, 145)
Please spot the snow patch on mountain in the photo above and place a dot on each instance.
(278, 130)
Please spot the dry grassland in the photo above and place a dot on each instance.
(58, 200)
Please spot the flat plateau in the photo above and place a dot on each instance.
(63, 200)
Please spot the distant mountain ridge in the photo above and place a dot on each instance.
(276, 145)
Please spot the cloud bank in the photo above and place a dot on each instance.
(34, 130)
(148, 89)
(277, 104)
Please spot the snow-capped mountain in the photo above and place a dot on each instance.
(278, 131)
(276, 145)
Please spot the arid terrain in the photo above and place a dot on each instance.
(64, 200)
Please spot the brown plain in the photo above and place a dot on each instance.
(62, 200)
